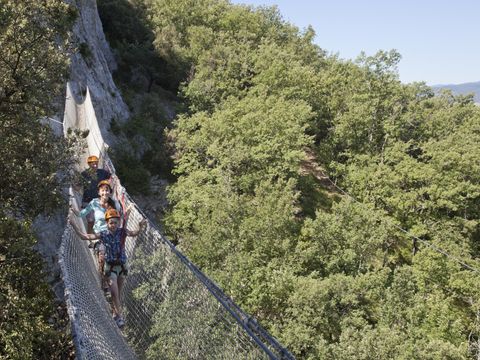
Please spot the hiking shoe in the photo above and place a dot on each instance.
(120, 322)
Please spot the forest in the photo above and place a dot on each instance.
(337, 205)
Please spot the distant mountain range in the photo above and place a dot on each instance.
(465, 88)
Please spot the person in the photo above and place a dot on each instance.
(116, 259)
(91, 177)
(98, 207)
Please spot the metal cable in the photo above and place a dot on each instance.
(410, 235)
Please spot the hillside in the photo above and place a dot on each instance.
(462, 89)
(264, 116)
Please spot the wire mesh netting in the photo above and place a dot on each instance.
(172, 310)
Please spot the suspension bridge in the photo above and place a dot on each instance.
(173, 311)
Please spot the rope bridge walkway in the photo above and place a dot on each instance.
(197, 320)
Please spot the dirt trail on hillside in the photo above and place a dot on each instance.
(311, 166)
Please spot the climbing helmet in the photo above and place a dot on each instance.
(111, 213)
(104, 182)
(92, 159)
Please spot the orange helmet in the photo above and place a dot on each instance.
(111, 213)
(104, 182)
(92, 159)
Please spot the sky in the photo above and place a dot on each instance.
(439, 40)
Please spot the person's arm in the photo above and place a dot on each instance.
(118, 207)
(142, 225)
(127, 212)
(82, 235)
(86, 210)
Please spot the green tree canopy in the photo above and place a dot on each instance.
(336, 279)
(35, 166)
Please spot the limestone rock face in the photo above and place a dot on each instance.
(156, 203)
(92, 64)
(49, 231)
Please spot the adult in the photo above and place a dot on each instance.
(91, 178)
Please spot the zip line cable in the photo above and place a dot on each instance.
(406, 232)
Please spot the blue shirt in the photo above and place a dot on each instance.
(99, 213)
(113, 249)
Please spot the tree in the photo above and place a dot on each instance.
(338, 280)
(25, 298)
(35, 167)
(33, 63)
(32, 67)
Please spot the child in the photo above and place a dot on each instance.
(116, 259)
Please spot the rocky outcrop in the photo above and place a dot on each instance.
(49, 232)
(155, 204)
(92, 64)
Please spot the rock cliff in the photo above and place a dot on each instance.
(92, 65)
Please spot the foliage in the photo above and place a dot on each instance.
(31, 33)
(32, 66)
(26, 301)
(215, 45)
(131, 171)
(330, 276)
(258, 137)
(147, 81)
(35, 167)
(145, 148)
(130, 31)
